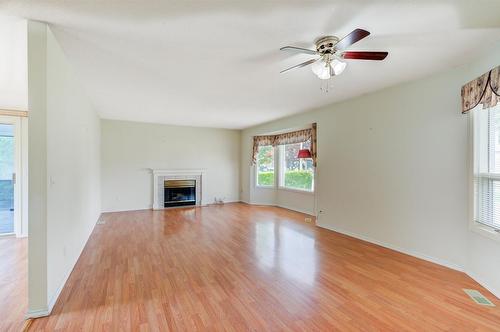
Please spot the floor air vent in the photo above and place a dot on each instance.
(478, 297)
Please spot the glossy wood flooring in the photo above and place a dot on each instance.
(13, 283)
(239, 267)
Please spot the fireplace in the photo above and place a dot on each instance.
(179, 193)
(166, 195)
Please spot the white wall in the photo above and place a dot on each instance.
(393, 169)
(295, 200)
(64, 165)
(73, 167)
(37, 169)
(14, 63)
(131, 149)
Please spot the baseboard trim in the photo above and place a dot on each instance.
(127, 210)
(262, 204)
(480, 280)
(55, 297)
(37, 313)
(413, 253)
(143, 208)
(295, 209)
(283, 207)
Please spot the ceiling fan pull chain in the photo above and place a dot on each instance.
(326, 85)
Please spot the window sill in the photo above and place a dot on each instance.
(264, 187)
(300, 191)
(485, 231)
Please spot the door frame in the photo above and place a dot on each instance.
(21, 171)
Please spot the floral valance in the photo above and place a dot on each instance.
(483, 90)
(292, 137)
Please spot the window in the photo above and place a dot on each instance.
(296, 173)
(265, 166)
(487, 166)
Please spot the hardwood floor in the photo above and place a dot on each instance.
(239, 267)
(13, 283)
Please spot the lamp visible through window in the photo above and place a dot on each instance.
(304, 154)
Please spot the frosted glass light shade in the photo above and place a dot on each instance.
(321, 69)
(338, 66)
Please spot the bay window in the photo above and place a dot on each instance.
(277, 163)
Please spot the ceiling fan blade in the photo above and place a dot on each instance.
(355, 36)
(362, 55)
(298, 50)
(303, 64)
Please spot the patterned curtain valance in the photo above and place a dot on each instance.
(293, 137)
(483, 90)
(298, 136)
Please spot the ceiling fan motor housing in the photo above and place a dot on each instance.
(326, 45)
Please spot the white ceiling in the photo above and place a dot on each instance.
(216, 63)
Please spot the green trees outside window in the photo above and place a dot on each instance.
(265, 166)
(295, 173)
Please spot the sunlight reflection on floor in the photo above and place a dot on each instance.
(292, 252)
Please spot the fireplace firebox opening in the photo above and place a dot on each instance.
(179, 192)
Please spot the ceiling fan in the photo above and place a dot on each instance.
(331, 52)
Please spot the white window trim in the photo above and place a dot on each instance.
(301, 191)
(474, 226)
(261, 186)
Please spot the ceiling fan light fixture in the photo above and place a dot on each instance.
(332, 52)
(338, 66)
(327, 67)
(321, 69)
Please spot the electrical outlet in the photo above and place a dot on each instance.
(308, 220)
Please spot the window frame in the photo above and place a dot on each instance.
(474, 225)
(256, 182)
(281, 174)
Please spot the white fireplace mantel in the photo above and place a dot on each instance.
(160, 175)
